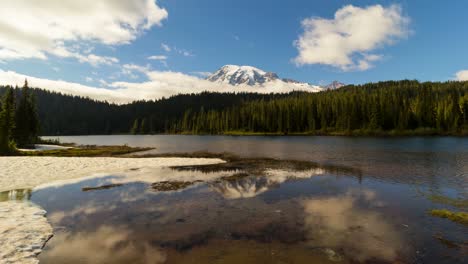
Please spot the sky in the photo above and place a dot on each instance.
(124, 50)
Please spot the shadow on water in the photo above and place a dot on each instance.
(242, 211)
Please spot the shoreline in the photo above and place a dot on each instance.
(24, 226)
(26, 172)
(354, 133)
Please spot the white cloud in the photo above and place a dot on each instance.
(95, 60)
(13, 78)
(183, 52)
(73, 52)
(202, 74)
(462, 75)
(103, 83)
(348, 40)
(157, 57)
(89, 79)
(165, 47)
(36, 29)
(168, 83)
(131, 69)
(158, 84)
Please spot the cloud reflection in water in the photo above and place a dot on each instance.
(105, 245)
(342, 223)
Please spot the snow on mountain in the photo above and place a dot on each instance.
(334, 85)
(250, 76)
(236, 75)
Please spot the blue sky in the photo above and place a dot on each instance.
(425, 40)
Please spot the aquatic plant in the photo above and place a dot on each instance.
(458, 217)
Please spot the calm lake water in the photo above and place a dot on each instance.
(366, 200)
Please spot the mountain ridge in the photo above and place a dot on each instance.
(251, 76)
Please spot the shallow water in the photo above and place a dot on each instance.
(438, 161)
(372, 208)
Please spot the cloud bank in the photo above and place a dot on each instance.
(158, 84)
(349, 40)
(67, 28)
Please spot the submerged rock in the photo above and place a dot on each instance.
(102, 187)
(167, 186)
(332, 255)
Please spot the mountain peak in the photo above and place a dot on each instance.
(334, 85)
(247, 75)
(236, 75)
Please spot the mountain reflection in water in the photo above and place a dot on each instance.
(251, 186)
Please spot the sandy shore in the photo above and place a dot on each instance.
(29, 172)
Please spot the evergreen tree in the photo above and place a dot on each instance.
(27, 123)
(400, 106)
(7, 122)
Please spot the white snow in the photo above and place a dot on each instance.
(42, 147)
(29, 172)
(253, 77)
(24, 229)
(23, 232)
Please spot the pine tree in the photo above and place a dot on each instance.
(27, 122)
(33, 119)
(399, 106)
(7, 122)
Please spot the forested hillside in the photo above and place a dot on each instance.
(368, 109)
(72, 115)
(397, 106)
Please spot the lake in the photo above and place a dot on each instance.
(362, 200)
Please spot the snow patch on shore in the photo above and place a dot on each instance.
(43, 147)
(24, 230)
(29, 172)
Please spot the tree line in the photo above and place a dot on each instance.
(392, 106)
(374, 108)
(19, 123)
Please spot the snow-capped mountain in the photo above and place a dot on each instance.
(334, 85)
(250, 76)
(237, 75)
